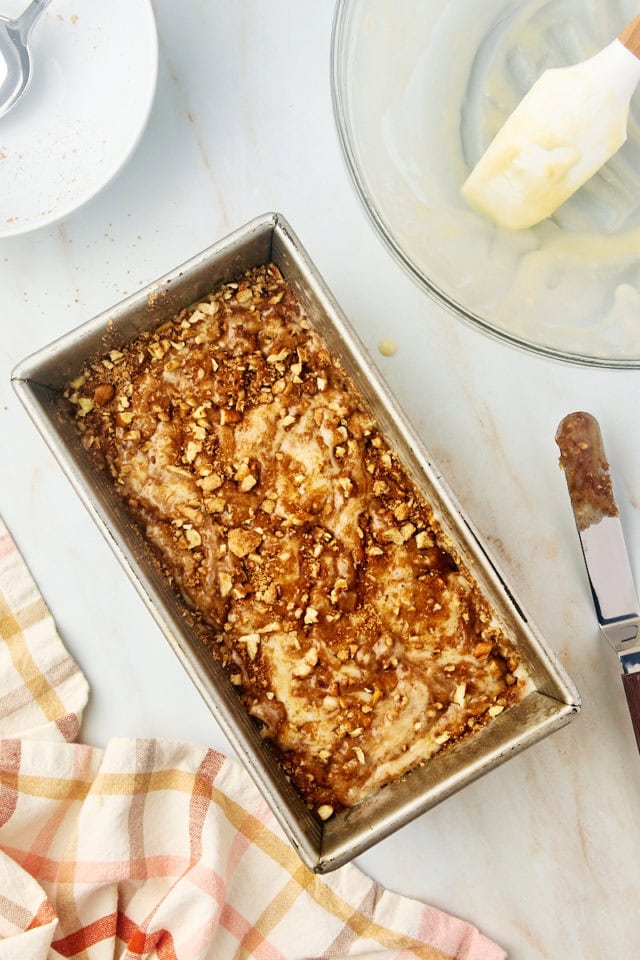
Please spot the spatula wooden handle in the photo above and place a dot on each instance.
(631, 683)
(630, 36)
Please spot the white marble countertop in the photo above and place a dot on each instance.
(542, 854)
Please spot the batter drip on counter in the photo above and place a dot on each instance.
(259, 475)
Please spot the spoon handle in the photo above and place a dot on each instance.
(27, 20)
(630, 36)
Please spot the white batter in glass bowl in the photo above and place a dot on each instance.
(420, 88)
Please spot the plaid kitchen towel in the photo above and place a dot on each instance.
(160, 849)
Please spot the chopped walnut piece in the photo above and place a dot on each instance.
(252, 640)
(243, 542)
(393, 535)
(458, 696)
(310, 615)
(278, 357)
(402, 512)
(226, 583)
(442, 737)
(103, 393)
(483, 649)
(210, 483)
(423, 540)
(192, 451)
(302, 669)
(407, 531)
(193, 538)
(85, 406)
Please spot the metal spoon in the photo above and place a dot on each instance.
(14, 51)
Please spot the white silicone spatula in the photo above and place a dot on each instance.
(564, 130)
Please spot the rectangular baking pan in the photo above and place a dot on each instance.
(39, 382)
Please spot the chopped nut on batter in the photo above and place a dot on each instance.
(243, 542)
(104, 393)
(225, 583)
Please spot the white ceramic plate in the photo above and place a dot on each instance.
(94, 78)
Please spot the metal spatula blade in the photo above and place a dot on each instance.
(583, 459)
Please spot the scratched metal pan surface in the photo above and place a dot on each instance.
(39, 381)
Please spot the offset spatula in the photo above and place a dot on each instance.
(583, 460)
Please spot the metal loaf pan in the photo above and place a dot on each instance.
(39, 382)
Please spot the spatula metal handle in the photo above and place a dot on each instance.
(631, 684)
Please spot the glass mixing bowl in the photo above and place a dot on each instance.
(420, 87)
